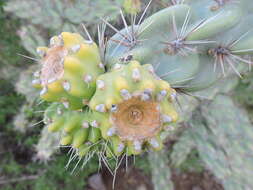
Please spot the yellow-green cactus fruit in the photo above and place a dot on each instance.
(138, 104)
(78, 129)
(69, 68)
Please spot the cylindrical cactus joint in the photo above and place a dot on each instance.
(69, 68)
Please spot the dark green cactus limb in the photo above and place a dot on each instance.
(224, 141)
(206, 8)
(205, 77)
(217, 23)
(221, 87)
(161, 174)
(150, 49)
(160, 22)
(184, 48)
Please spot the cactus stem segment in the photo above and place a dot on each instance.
(131, 38)
(180, 44)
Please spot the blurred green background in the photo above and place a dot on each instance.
(27, 162)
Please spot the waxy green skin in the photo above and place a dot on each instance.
(194, 71)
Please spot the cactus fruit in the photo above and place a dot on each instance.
(78, 129)
(131, 107)
(138, 105)
(70, 67)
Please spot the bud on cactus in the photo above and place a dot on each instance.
(70, 66)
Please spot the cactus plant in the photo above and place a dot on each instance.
(138, 104)
(130, 113)
(184, 48)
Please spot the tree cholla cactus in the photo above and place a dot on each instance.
(124, 107)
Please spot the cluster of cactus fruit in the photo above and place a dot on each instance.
(119, 98)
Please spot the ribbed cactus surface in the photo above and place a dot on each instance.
(69, 68)
(119, 102)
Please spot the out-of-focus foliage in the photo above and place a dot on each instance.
(9, 43)
(182, 149)
(9, 102)
(161, 173)
(47, 145)
(62, 15)
(47, 177)
(244, 91)
(224, 142)
(53, 16)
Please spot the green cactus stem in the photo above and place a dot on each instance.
(189, 49)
